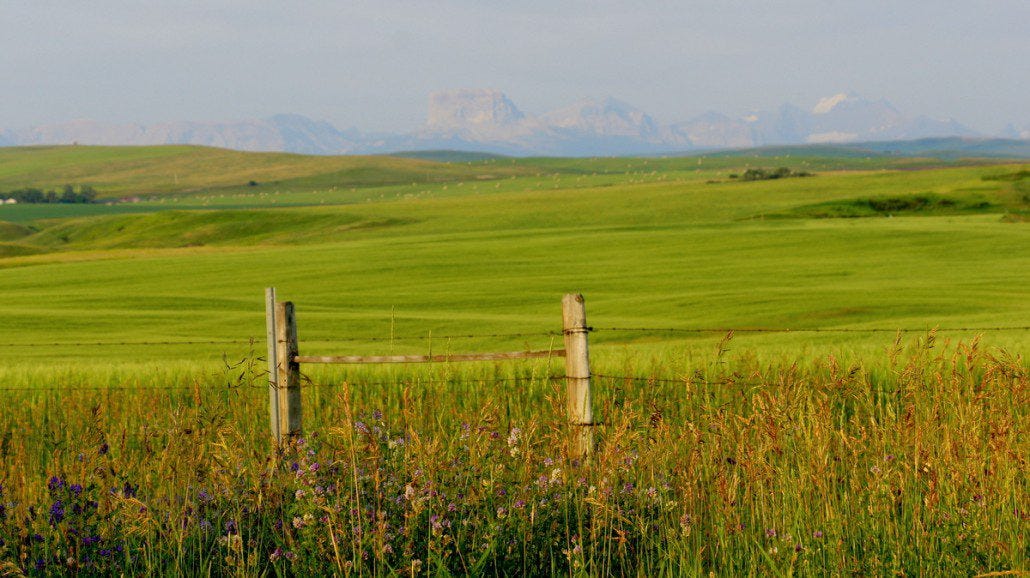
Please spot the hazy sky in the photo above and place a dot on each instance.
(372, 64)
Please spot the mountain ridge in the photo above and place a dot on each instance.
(487, 121)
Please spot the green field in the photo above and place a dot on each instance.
(106, 306)
(676, 246)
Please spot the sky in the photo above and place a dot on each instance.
(372, 64)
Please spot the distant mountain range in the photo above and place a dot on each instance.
(482, 120)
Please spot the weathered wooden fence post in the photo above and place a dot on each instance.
(577, 376)
(283, 370)
(288, 377)
(273, 365)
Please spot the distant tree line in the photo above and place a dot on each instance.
(67, 194)
(769, 174)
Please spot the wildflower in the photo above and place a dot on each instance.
(651, 492)
(104, 448)
(289, 555)
(377, 415)
(129, 491)
(451, 507)
(817, 534)
(313, 467)
(276, 554)
(361, 427)
(76, 489)
(55, 483)
(770, 533)
(40, 564)
(298, 494)
(520, 504)
(298, 522)
(56, 512)
(501, 512)
(204, 496)
(205, 525)
(231, 528)
(294, 467)
(548, 462)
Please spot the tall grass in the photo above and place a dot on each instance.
(913, 464)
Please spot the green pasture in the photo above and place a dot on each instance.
(804, 376)
(433, 262)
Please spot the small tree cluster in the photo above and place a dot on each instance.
(67, 194)
(769, 174)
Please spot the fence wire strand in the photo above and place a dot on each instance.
(430, 337)
(801, 330)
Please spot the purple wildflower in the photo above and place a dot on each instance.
(377, 415)
(129, 490)
(231, 528)
(276, 554)
(56, 512)
(76, 489)
(55, 483)
(817, 534)
(770, 533)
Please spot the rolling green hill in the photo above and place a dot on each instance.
(653, 243)
(125, 171)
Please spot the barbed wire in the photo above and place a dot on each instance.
(307, 383)
(430, 337)
(802, 330)
(681, 381)
(123, 343)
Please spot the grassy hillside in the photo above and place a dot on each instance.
(123, 171)
(668, 248)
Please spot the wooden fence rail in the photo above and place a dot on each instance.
(284, 359)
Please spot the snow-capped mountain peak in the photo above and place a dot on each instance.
(826, 105)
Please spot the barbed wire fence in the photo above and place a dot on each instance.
(430, 337)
